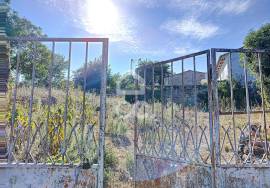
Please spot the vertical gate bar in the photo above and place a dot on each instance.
(183, 87)
(144, 105)
(84, 99)
(136, 126)
(49, 97)
(216, 135)
(183, 109)
(162, 98)
(195, 108)
(30, 106)
(263, 104)
(66, 103)
(172, 92)
(210, 106)
(232, 105)
(144, 95)
(172, 112)
(11, 139)
(102, 117)
(153, 88)
(247, 105)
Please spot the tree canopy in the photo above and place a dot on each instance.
(260, 39)
(33, 52)
(92, 73)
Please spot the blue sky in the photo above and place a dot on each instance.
(152, 29)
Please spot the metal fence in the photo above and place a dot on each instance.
(221, 120)
(51, 124)
(167, 132)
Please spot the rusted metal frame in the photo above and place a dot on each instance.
(195, 108)
(210, 59)
(172, 112)
(178, 58)
(72, 132)
(164, 126)
(190, 136)
(142, 129)
(207, 142)
(102, 117)
(153, 137)
(183, 87)
(183, 106)
(248, 108)
(162, 97)
(239, 113)
(136, 149)
(203, 130)
(66, 104)
(27, 151)
(210, 100)
(144, 107)
(263, 106)
(83, 102)
(11, 139)
(216, 107)
(153, 89)
(45, 39)
(141, 134)
(176, 132)
(232, 106)
(49, 100)
(226, 134)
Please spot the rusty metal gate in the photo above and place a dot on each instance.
(206, 109)
(41, 128)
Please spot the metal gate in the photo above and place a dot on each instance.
(185, 118)
(41, 129)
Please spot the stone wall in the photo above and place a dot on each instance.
(41, 176)
(158, 173)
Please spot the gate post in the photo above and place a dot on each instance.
(214, 119)
(102, 117)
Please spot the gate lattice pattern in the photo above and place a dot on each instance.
(45, 124)
(174, 122)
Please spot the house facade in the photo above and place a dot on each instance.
(188, 78)
(223, 68)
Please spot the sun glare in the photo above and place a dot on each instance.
(101, 17)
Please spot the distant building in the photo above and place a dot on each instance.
(223, 68)
(188, 77)
(188, 81)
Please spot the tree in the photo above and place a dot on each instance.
(92, 73)
(33, 52)
(149, 71)
(128, 81)
(42, 60)
(260, 39)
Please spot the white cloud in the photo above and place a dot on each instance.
(149, 3)
(183, 50)
(210, 6)
(233, 6)
(191, 27)
(144, 3)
